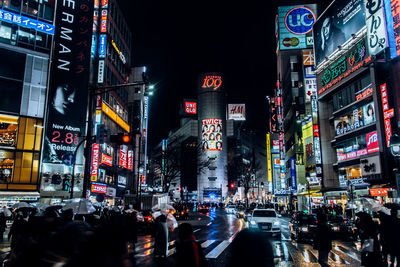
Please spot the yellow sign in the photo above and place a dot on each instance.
(110, 113)
(269, 159)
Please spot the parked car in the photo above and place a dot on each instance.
(266, 221)
(341, 227)
(302, 227)
(203, 208)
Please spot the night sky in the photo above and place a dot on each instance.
(178, 40)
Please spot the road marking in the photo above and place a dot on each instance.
(213, 254)
(194, 231)
(207, 243)
(171, 251)
(348, 253)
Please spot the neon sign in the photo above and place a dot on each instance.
(121, 56)
(364, 94)
(95, 162)
(103, 24)
(191, 107)
(385, 107)
(105, 159)
(99, 188)
(299, 20)
(212, 81)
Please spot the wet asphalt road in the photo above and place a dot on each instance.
(216, 238)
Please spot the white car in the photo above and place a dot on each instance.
(266, 220)
(231, 209)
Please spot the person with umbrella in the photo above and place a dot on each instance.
(370, 247)
(161, 240)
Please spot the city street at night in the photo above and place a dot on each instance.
(214, 133)
(216, 238)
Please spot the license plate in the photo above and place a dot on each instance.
(265, 227)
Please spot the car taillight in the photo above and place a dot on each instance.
(148, 218)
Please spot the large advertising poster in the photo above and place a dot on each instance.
(337, 25)
(211, 134)
(68, 89)
(295, 25)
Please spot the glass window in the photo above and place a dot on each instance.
(30, 134)
(13, 4)
(8, 131)
(6, 166)
(264, 213)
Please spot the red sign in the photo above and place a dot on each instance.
(191, 107)
(385, 102)
(123, 156)
(362, 152)
(388, 131)
(107, 160)
(364, 94)
(316, 130)
(104, 3)
(388, 114)
(130, 160)
(372, 142)
(379, 192)
(98, 188)
(95, 162)
(212, 81)
(103, 25)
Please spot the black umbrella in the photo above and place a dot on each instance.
(394, 206)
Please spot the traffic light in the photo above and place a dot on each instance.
(120, 139)
(232, 185)
(65, 184)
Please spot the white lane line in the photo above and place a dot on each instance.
(213, 254)
(171, 251)
(207, 243)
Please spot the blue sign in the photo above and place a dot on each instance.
(94, 45)
(102, 46)
(300, 20)
(293, 174)
(26, 22)
(68, 159)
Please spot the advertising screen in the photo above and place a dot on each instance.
(211, 134)
(295, 25)
(99, 188)
(68, 88)
(237, 112)
(359, 117)
(336, 25)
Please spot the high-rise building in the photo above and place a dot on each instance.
(26, 34)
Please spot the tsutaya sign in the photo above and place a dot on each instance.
(353, 60)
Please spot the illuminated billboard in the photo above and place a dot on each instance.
(68, 88)
(211, 134)
(211, 82)
(190, 107)
(237, 112)
(336, 26)
(294, 25)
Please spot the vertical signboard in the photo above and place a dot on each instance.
(376, 30)
(100, 73)
(123, 156)
(130, 160)
(269, 163)
(103, 23)
(212, 134)
(94, 167)
(385, 107)
(293, 174)
(68, 88)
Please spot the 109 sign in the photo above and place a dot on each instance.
(300, 20)
(212, 81)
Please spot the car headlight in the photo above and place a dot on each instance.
(276, 223)
(252, 222)
(336, 228)
(304, 229)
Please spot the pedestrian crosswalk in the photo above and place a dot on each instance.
(342, 253)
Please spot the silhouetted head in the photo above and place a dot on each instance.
(185, 231)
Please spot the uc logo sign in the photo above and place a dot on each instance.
(299, 20)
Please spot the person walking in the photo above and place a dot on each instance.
(323, 240)
(188, 252)
(3, 226)
(161, 241)
(370, 247)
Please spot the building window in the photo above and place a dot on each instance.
(8, 131)
(30, 134)
(6, 166)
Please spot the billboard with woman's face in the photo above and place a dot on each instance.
(211, 134)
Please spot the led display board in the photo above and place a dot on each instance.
(98, 188)
(294, 25)
(211, 134)
(95, 162)
(336, 25)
